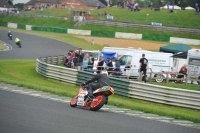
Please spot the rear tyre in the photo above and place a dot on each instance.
(73, 102)
(97, 102)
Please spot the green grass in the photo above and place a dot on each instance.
(49, 12)
(182, 18)
(182, 86)
(53, 22)
(22, 73)
(2, 46)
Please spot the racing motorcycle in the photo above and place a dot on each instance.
(10, 36)
(100, 97)
(19, 44)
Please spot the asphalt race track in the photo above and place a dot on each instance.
(32, 46)
(27, 114)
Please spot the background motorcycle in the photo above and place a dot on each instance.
(10, 36)
(100, 98)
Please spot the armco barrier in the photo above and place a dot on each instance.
(155, 38)
(103, 34)
(148, 92)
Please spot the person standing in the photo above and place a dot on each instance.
(197, 7)
(128, 69)
(85, 63)
(100, 65)
(110, 66)
(80, 56)
(91, 63)
(143, 67)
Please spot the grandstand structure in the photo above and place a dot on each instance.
(77, 4)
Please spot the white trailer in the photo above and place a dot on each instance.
(120, 51)
(158, 60)
(193, 62)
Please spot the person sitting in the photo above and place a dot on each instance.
(184, 71)
(102, 80)
(68, 60)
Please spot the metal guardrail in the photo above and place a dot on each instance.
(148, 92)
(162, 28)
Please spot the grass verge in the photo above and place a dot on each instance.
(181, 18)
(22, 73)
(182, 86)
(54, 22)
(2, 46)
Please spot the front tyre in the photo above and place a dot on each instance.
(73, 102)
(97, 102)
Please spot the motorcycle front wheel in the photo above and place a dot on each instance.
(73, 102)
(97, 102)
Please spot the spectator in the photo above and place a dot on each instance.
(127, 69)
(110, 66)
(143, 67)
(117, 65)
(100, 65)
(73, 56)
(85, 63)
(91, 63)
(184, 71)
(80, 56)
(168, 4)
(151, 5)
(67, 62)
(149, 69)
(197, 7)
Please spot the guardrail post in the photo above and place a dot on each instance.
(186, 79)
(52, 60)
(150, 78)
(140, 78)
(167, 78)
(58, 60)
(47, 59)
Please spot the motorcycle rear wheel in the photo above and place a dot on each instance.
(97, 103)
(73, 102)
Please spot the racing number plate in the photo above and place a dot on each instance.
(80, 100)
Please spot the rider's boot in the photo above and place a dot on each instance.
(90, 94)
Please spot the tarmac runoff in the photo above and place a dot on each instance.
(109, 108)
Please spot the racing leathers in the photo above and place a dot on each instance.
(102, 80)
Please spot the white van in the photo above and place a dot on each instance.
(158, 60)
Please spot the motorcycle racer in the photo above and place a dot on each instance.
(102, 80)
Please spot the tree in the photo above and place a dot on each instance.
(10, 2)
(19, 6)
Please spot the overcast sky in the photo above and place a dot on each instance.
(20, 1)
